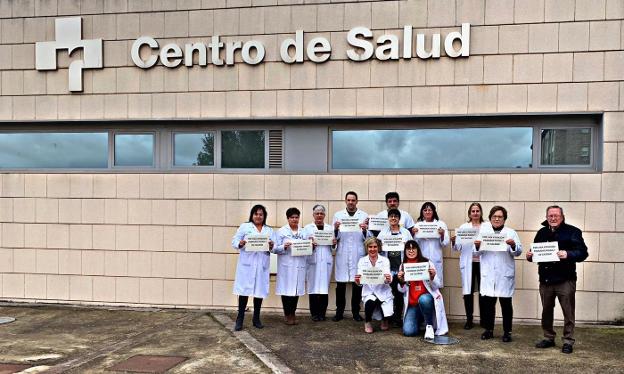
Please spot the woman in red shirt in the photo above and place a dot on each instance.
(419, 296)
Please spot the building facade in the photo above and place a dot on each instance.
(135, 135)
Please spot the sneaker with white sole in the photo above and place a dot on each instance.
(429, 333)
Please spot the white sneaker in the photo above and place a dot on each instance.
(429, 333)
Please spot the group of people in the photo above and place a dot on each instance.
(409, 304)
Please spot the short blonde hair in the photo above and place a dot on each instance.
(371, 240)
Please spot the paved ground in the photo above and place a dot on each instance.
(57, 339)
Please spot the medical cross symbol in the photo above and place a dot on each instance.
(68, 32)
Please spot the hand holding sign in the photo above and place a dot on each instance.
(545, 252)
(257, 243)
(416, 271)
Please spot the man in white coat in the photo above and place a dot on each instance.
(350, 229)
(392, 202)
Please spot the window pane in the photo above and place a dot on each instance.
(134, 149)
(242, 149)
(462, 148)
(54, 150)
(566, 146)
(194, 149)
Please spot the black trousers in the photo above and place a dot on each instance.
(475, 285)
(398, 300)
(289, 303)
(356, 297)
(370, 307)
(488, 312)
(318, 304)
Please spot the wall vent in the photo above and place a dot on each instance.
(276, 149)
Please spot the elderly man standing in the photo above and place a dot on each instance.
(558, 279)
(351, 230)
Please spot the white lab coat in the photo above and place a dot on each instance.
(252, 270)
(350, 247)
(406, 220)
(383, 292)
(291, 270)
(432, 249)
(318, 274)
(466, 257)
(440, 324)
(498, 269)
(406, 235)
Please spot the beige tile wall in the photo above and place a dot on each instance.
(162, 239)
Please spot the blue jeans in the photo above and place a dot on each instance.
(416, 313)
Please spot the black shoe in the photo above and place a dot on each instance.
(238, 326)
(337, 317)
(487, 334)
(257, 324)
(506, 337)
(358, 318)
(546, 343)
(322, 318)
(567, 348)
(315, 318)
(469, 325)
(397, 323)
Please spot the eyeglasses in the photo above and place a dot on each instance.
(410, 249)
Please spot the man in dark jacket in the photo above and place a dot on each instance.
(558, 279)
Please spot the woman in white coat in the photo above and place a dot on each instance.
(432, 247)
(375, 295)
(291, 270)
(252, 270)
(422, 299)
(469, 263)
(498, 274)
(318, 274)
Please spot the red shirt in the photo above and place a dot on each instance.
(416, 289)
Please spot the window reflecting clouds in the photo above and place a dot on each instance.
(461, 148)
(194, 149)
(134, 149)
(53, 150)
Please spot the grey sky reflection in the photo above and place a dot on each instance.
(188, 146)
(134, 150)
(54, 150)
(506, 147)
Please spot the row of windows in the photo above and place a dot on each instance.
(468, 147)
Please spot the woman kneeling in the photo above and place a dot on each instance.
(375, 294)
(422, 298)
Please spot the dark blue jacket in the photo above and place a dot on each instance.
(570, 240)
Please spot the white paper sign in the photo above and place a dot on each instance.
(372, 275)
(416, 271)
(301, 247)
(427, 230)
(393, 243)
(324, 237)
(257, 242)
(545, 252)
(350, 225)
(377, 223)
(493, 242)
(467, 235)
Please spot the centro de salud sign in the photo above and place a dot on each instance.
(146, 51)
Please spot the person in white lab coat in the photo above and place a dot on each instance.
(422, 299)
(498, 274)
(291, 270)
(432, 247)
(252, 270)
(318, 274)
(469, 264)
(396, 258)
(392, 202)
(349, 250)
(375, 295)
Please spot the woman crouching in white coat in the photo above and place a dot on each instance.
(375, 295)
(291, 270)
(422, 299)
(252, 270)
(498, 274)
